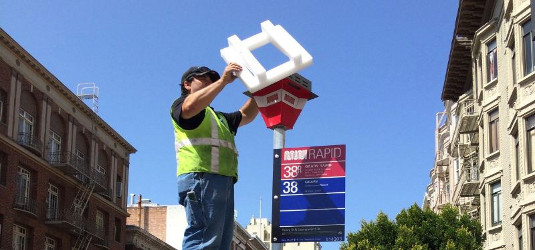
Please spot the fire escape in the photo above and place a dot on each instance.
(73, 218)
(466, 149)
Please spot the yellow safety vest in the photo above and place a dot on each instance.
(209, 148)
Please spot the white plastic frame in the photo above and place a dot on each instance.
(254, 75)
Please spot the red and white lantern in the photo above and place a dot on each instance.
(281, 102)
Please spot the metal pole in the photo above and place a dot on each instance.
(278, 137)
(278, 143)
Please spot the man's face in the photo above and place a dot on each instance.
(198, 83)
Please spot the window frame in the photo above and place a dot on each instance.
(1, 107)
(50, 243)
(529, 60)
(117, 230)
(52, 201)
(26, 122)
(99, 220)
(54, 142)
(495, 203)
(530, 141)
(492, 60)
(23, 175)
(532, 230)
(516, 155)
(20, 233)
(494, 129)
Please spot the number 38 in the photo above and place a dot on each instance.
(290, 187)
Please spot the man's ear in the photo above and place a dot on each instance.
(187, 85)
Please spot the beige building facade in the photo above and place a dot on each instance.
(485, 137)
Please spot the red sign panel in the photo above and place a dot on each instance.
(313, 162)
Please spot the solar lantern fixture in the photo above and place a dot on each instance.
(280, 92)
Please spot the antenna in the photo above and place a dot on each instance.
(88, 91)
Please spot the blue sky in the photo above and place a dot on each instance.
(378, 69)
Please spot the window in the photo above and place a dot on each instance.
(527, 39)
(530, 140)
(513, 62)
(25, 123)
(3, 168)
(50, 244)
(1, 106)
(99, 221)
(52, 201)
(493, 131)
(517, 156)
(456, 169)
(117, 230)
(23, 186)
(492, 61)
(496, 213)
(519, 235)
(532, 230)
(19, 238)
(54, 142)
(80, 164)
(101, 170)
(119, 187)
(1, 227)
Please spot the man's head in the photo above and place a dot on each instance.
(197, 74)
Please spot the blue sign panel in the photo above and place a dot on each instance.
(312, 217)
(311, 186)
(309, 194)
(312, 201)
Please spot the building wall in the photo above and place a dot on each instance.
(26, 85)
(512, 93)
(169, 222)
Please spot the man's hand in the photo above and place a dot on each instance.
(230, 73)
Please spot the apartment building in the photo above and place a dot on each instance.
(485, 137)
(168, 222)
(63, 169)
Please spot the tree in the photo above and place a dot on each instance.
(418, 229)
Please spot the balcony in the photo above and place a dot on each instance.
(68, 163)
(25, 204)
(100, 181)
(469, 182)
(468, 119)
(101, 238)
(30, 142)
(65, 219)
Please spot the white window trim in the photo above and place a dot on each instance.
(54, 139)
(26, 192)
(27, 120)
(19, 232)
(50, 244)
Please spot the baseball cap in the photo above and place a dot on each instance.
(199, 71)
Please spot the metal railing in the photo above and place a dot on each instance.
(65, 215)
(28, 140)
(99, 178)
(26, 204)
(472, 174)
(67, 159)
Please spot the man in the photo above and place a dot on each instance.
(207, 156)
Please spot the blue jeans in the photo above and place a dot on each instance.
(209, 203)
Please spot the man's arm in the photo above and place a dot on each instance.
(199, 100)
(248, 111)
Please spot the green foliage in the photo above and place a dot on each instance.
(418, 229)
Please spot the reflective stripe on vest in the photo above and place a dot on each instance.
(215, 142)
